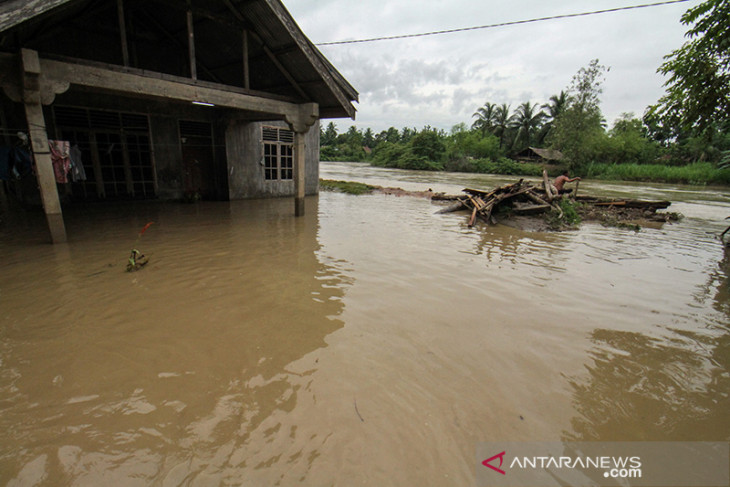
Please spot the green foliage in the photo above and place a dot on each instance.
(553, 109)
(527, 122)
(627, 143)
(349, 187)
(696, 173)
(428, 144)
(578, 130)
(501, 165)
(570, 212)
(485, 118)
(401, 156)
(725, 161)
(698, 89)
(568, 215)
(329, 136)
(471, 144)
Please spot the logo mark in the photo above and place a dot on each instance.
(501, 459)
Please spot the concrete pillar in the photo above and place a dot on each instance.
(39, 145)
(300, 157)
(300, 121)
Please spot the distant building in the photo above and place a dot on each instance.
(533, 154)
(214, 99)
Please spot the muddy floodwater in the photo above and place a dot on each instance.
(370, 342)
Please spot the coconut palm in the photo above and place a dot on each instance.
(527, 122)
(502, 123)
(556, 106)
(485, 118)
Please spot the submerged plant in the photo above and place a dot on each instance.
(566, 215)
(137, 259)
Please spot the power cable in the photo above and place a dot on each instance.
(502, 24)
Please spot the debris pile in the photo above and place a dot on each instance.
(520, 198)
(523, 199)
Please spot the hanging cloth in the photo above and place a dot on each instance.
(78, 173)
(61, 159)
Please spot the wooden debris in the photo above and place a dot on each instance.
(483, 203)
(648, 205)
(524, 199)
(550, 196)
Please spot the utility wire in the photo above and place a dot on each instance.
(503, 24)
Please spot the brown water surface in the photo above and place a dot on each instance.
(371, 342)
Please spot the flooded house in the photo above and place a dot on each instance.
(160, 99)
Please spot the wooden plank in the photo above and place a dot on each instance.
(536, 198)
(475, 209)
(123, 32)
(548, 186)
(246, 69)
(136, 84)
(191, 43)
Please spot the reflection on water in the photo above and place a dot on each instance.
(641, 388)
(372, 341)
(109, 376)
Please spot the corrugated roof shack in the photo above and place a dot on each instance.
(534, 154)
(212, 99)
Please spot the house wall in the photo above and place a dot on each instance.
(237, 171)
(164, 119)
(244, 152)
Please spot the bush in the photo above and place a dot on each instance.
(695, 173)
(473, 145)
(402, 156)
(509, 167)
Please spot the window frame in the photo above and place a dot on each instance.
(278, 153)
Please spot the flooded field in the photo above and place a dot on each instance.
(371, 342)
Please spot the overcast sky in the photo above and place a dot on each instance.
(442, 80)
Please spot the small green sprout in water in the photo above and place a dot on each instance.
(137, 259)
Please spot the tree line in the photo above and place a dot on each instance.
(688, 128)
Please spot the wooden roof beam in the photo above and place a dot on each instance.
(55, 72)
(181, 44)
(236, 13)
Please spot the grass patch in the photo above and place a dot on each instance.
(696, 173)
(348, 187)
(568, 217)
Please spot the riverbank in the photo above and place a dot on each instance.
(696, 173)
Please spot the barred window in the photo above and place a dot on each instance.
(278, 153)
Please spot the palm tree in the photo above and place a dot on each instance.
(527, 122)
(502, 122)
(485, 118)
(556, 106)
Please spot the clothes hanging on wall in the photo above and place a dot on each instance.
(61, 159)
(15, 163)
(78, 173)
